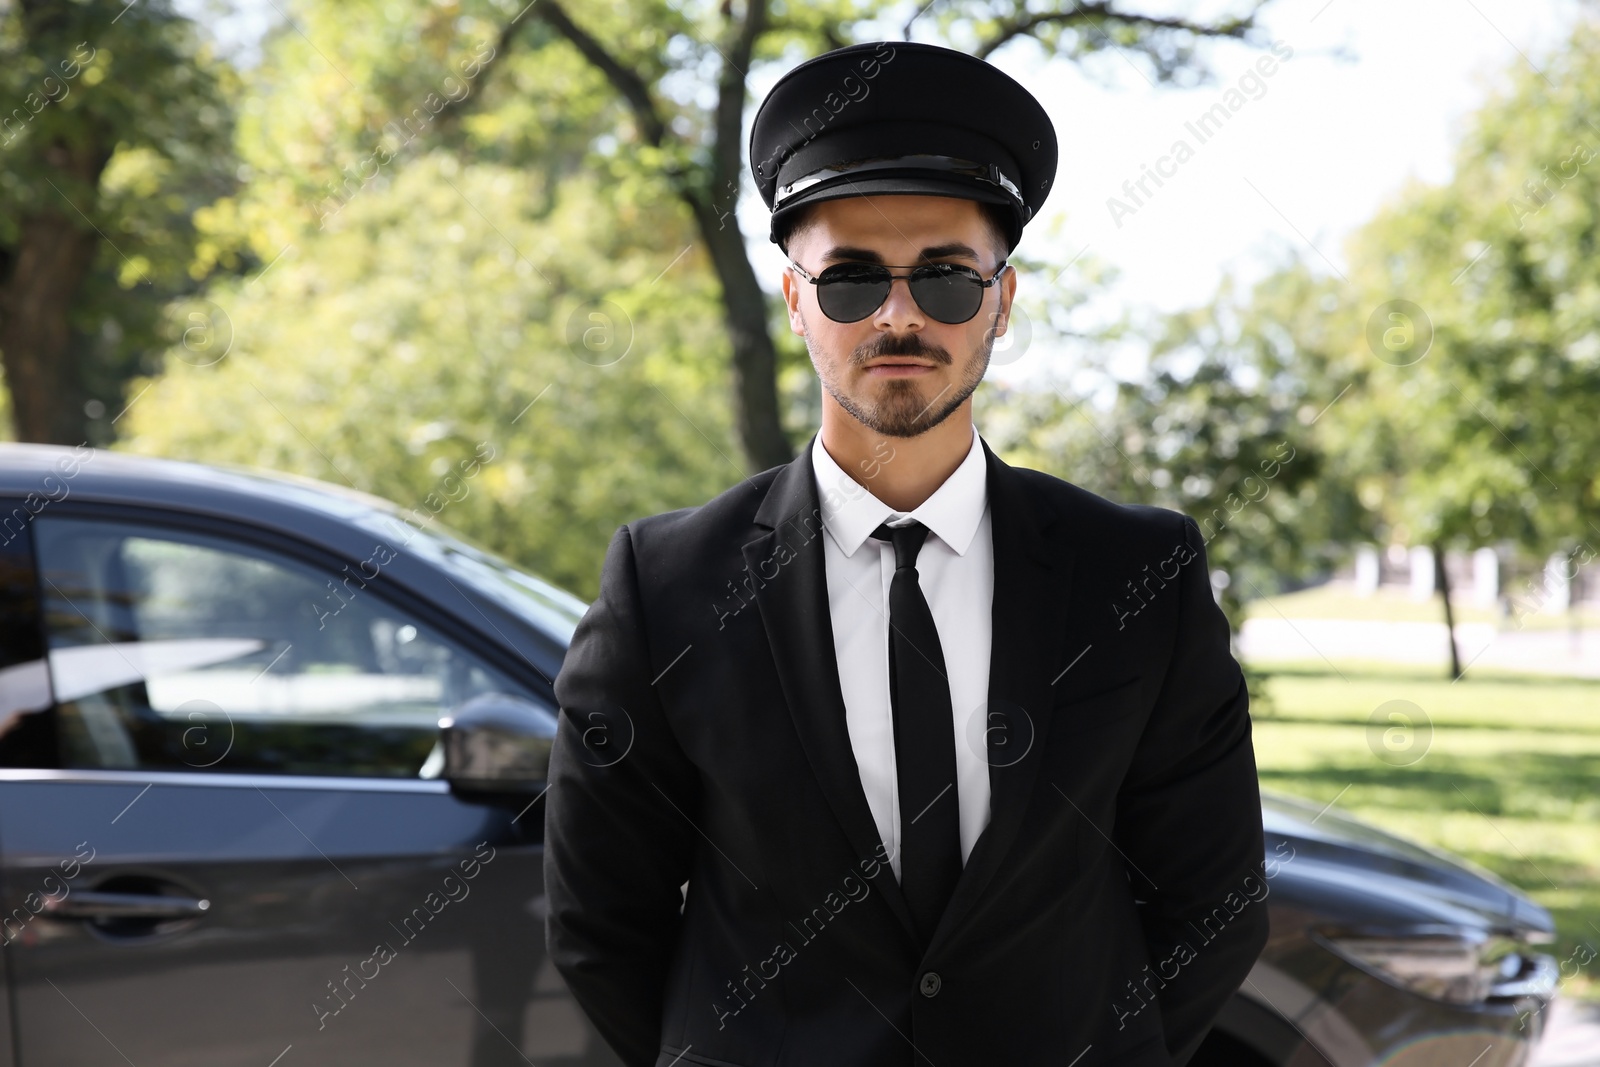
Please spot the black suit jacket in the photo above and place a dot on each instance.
(1105, 914)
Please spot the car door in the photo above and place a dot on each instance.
(222, 835)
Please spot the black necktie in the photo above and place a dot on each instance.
(924, 738)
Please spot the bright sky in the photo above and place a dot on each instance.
(1314, 151)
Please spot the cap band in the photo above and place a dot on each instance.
(984, 172)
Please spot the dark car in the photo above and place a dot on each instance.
(271, 761)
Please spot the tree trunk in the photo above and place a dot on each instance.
(755, 357)
(41, 274)
(54, 251)
(1442, 579)
(744, 304)
(52, 258)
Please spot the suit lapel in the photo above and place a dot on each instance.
(792, 596)
(1029, 620)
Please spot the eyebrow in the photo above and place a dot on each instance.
(954, 249)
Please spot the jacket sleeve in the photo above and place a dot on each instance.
(618, 843)
(1189, 819)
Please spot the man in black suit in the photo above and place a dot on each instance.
(898, 754)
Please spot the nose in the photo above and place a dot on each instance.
(899, 312)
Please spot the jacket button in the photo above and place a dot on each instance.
(930, 984)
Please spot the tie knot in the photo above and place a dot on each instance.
(907, 541)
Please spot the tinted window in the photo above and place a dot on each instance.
(550, 608)
(179, 650)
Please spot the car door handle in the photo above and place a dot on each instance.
(94, 906)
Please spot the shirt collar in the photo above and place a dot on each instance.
(850, 512)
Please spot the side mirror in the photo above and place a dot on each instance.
(497, 742)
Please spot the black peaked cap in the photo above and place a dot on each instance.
(901, 117)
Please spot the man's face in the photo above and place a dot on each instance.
(899, 372)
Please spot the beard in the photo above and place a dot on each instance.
(900, 409)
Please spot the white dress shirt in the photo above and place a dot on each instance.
(956, 572)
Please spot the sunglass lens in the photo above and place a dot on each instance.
(851, 293)
(949, 294)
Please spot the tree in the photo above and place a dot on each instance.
(410, 351)
(116, 132)
(1475, 362)
(1219, 427)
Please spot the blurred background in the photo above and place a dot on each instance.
(1322, 274)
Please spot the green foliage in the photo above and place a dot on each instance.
(414, 331)
(132, 89)
(1464, 417)
(437, 230)
(1217, 428)
(104, 76)
(1491, 433)
(350, 92)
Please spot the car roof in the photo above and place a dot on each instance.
(103, 473)
(340, 519)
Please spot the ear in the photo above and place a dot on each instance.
(790, 284)
(1001, 318)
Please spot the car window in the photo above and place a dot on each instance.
(550, 608)
(170, 649)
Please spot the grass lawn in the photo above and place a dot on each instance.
(1510, 779)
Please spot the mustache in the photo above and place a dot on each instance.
(909, 344)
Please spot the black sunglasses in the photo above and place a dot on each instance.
(949, 292)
